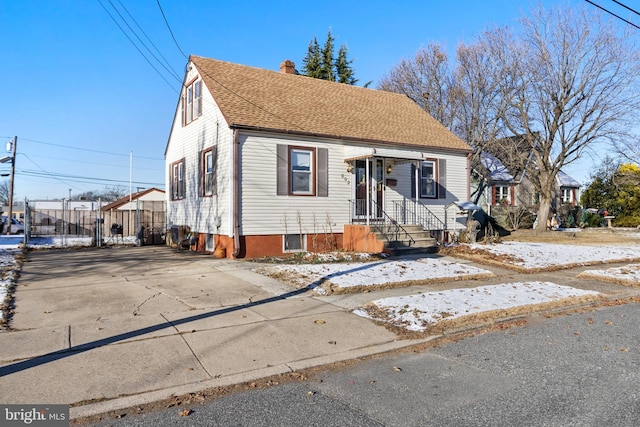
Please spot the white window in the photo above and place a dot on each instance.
(177, 180)
(301, 171)
(192, 102)
(567, 195)
(208, 173)
(503, 194)
(428, 179)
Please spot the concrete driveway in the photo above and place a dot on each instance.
(114, 327)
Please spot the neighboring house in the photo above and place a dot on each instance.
(495, 187)
(568, 190)
(261, 163)
(149, 197)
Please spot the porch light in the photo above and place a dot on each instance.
(349, 167)
(389, 169)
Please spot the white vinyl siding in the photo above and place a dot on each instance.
(265, 212)
(201, 214)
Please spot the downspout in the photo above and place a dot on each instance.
(236, 195)
(469, 176)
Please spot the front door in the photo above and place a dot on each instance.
(369, 174)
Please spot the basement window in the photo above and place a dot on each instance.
(294, 242)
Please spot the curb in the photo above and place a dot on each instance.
(125, 402)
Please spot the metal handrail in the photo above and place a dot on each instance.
(414, 212)
(387, 226)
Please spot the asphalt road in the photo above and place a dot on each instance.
(571, 370)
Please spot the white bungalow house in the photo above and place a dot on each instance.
(262, 163)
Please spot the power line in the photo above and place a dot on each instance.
(626, 7)
(170, 71)
(134, 45)
(169, 28)
(148, 38)
(57, 179)
(66, 159)
(78, 178)
(89, 149)
(611, 13)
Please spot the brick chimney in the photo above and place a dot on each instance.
(287, 67)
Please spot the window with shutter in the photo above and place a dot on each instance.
(302, 171)
(428, 179)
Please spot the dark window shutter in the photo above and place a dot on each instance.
(202, 171)
(493, 195)
(183, 186)
(282, 170)
(442, 179)
(172, 185)
(323, 172)
(214, 177)
(413, 180)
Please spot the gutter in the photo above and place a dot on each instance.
(236, 195)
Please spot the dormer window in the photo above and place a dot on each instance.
(192, 101)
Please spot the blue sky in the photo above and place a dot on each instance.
(89, 109)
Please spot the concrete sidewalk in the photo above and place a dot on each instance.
(117, 327)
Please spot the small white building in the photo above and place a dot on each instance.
(148, 197)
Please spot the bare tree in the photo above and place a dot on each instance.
(571, 83)
(477, 101)
(108, 194)
(466, 99)
(564, 82)
(4, 193)
(426, 80)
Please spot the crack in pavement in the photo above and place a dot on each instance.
(135, 312)
(188, 346)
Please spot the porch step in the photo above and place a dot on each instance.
(415, 241)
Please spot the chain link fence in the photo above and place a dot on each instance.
(146, 223)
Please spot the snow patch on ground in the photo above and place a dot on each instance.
(418, 312)
(540, 255)
(629, 274)
(353, 274)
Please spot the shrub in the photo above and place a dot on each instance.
(591, 219)
(627, 221)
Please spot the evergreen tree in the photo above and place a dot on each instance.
(326, 67)
(311, 62)
(322, 64)
(343, 67)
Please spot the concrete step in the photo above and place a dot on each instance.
(413, 240)
(412, 250)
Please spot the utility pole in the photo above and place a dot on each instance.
(13, 172)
